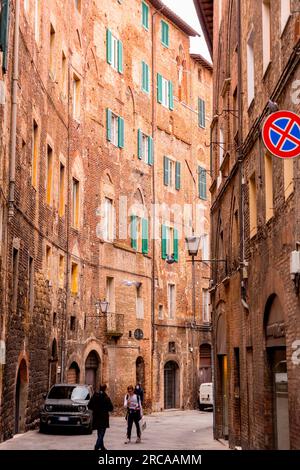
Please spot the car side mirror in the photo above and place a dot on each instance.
(44, 396)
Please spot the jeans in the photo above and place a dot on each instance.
(133, 417)
(100, 443)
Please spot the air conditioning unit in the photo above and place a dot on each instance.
(295, 263)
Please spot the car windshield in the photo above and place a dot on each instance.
(69, 392)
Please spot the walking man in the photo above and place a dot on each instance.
(101, 405)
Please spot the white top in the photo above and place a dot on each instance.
(132, 402)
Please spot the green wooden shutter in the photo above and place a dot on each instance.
(201, 110)
(108, 46)
(145, 13)
(164, 241)
(145, 243)
(108, 124)
(145, 77)
(176, 245)
(140, 144)
(159, 88)
(150, 151)
(177, 178)
(133, 232)
(120, 57)
(166, 171)
(202, 183)
(171, 98)
(4, 31)
(120, 132)
(164, 33)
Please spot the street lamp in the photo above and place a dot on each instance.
(193, 244)
(101, 305)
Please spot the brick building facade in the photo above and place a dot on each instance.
(254, 223)
(104, 114)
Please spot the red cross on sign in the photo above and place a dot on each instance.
(281, 134)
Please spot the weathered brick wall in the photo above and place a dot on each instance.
(251, 422)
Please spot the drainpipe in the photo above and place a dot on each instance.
(14, 109)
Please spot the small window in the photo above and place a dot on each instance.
(160, 312)
(52, 50)
(170, 242)
(54, 321)
(253, 205)
(205, 247)
(205, 306)
(250, 69)
(164, 33)
(74, 278)
(201, 113)
(172, 173)
(266, 33)
(202, 183)
(61, 271)
(115, 129)
(63, 73)
(145, 15)
(108, 234)
(35, 152)
(285, 8)
(61, 201)
(165, 92)
(15, 278)
(145, 147)
(75, 203)
(171, 301)
(139, 303)
(114, 51)
(172, 347)
(72, 323)
(49, 175)
(76, 97)
(145, 77)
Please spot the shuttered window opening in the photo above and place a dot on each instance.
(164, 33)
(202, 183)
(172, 173)
(114, 51)
(115, 129)
(201, 112)
(165, 95)
(145, 147)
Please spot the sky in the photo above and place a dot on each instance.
(186, 10)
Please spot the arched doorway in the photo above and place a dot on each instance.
(140, 371)
(276, 386)
(171, 386)
(53, 364)
(92, 370)
(73, 376)
(205, 363)
(21, 397)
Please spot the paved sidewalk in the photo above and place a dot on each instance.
(171, 430)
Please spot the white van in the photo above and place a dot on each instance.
(206, 396)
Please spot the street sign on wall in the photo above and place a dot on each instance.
(281, 134)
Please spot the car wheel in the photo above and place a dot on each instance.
(43, 428)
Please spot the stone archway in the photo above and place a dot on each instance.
(276, 378)
(93, 370)
(73, 375)
(21, 397)
(171, 385)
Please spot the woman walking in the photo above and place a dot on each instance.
(132, 403)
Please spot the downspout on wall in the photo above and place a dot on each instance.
(14, 109)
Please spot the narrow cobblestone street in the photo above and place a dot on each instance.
(173, 430)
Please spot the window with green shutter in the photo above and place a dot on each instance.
(202, 183)
(109, 46)
(108, 124)
(171, 97)
(145, 237)
(177, 175)
(114, 51)
(145, 15)
(176, 245)
(201, 112)
(164, 33)
(140, 144)
(120, 132)
(164, 241)
(150, 151)
(134, 232)
(145, 77)
(159, 88)
(4, 31)
(166, 171)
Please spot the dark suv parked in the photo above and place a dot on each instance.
(67, 406)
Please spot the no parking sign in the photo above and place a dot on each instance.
(281, 134)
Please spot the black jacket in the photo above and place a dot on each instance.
(101, 405)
